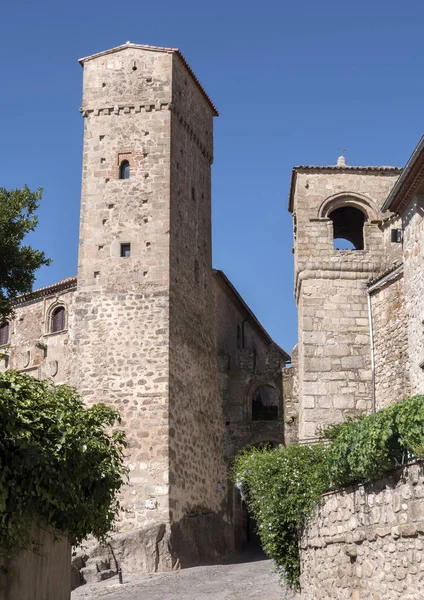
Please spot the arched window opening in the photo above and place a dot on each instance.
(348, 228)
(124, 170)
(4, 333)
(58, 319)
(265, 404)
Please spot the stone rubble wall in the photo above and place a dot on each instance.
(291, 399)
(390, 333)
(366, 542)
(196, 463)
(120, 323)
(413, 247)
(242, 370)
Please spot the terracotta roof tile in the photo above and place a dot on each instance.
(45, 291)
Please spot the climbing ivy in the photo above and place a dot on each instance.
(58, 463)
(281, 486)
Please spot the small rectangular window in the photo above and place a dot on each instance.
(125, 250)
(396, 235)
(193, 194)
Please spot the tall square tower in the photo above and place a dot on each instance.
(143, 328)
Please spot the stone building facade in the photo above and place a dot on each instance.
(147, 326)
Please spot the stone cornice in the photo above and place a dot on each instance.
(360, 270)
(124, 109)
(138, 108)
(56, 288)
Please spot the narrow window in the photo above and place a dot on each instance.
(196, 272)
(124, 170)
(396, 236)
(4, 333)
(125, 250)
(193, 194)
(58, 320)
(238, 337)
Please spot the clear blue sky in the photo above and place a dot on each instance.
(293, 81)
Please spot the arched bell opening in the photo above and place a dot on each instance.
(348, 228)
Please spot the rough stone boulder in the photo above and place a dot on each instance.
(141, 550)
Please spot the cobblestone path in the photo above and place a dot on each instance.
(246, 579)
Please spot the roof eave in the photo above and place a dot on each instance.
(253, 317)
(59, 286)
(395, 198)
(332, 169)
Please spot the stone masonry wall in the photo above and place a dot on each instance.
(390, 333)
(34, 349)
(245, 364)
(335, 377)
(120, 325)
(198, 474)
(366, 543)
(413, 248)
(291, 400)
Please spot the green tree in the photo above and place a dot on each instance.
(60, 462)
(18, 262)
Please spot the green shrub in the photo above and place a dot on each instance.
(58, 464)
(367, 448)
(280, 487)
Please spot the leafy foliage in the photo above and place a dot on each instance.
(283, 485)
(58, 464)
(18, 262)
(280, 487)
(366, 449)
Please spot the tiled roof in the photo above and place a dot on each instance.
(156, 49)
(348, 168)
(392, 269)
(47, 290)
(411, 179)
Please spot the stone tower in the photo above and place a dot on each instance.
(337, 206)
(143, 328)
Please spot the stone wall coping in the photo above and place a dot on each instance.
(357, 486)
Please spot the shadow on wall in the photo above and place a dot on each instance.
(265, 404)
(41, 575)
